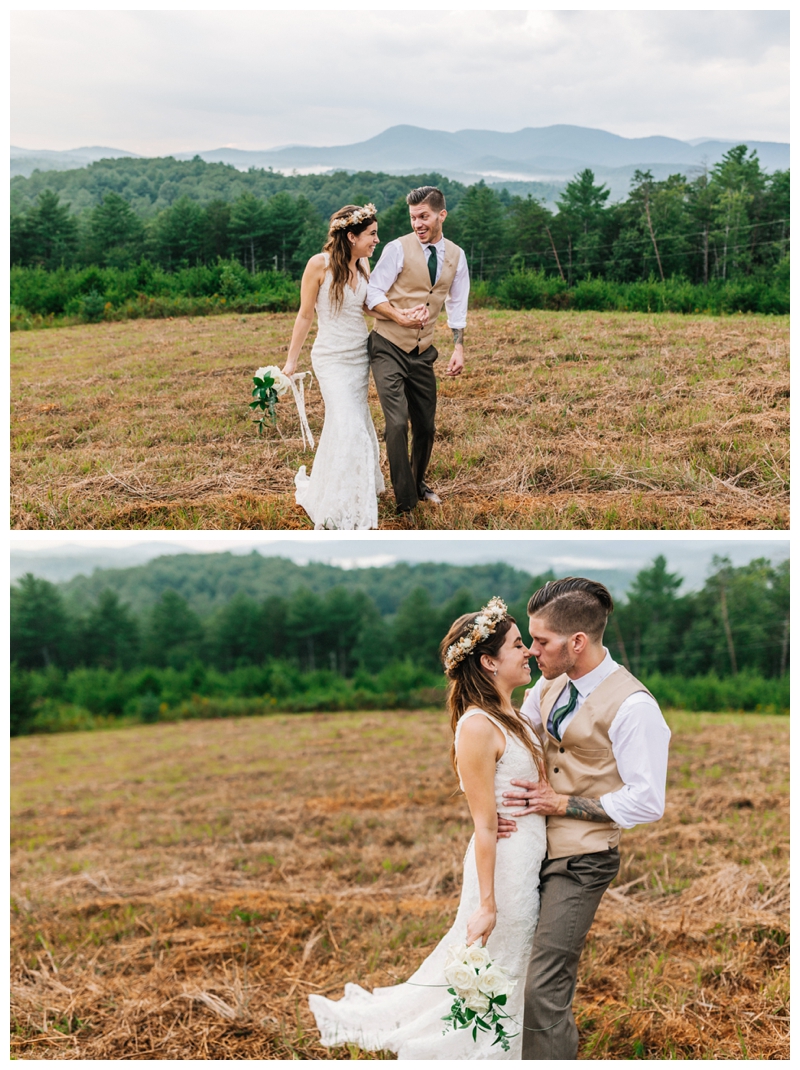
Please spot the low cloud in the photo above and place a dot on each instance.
(158, 82)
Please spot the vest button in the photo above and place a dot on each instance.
(556, 769)
(561, 750)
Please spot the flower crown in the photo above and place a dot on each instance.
(356, 217)
(485, 624)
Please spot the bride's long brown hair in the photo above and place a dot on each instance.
(338, 248)
(471, 686)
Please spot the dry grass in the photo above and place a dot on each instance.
(561, 420)
(178, 890)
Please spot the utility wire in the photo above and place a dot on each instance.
(475, 260)
(684, 236)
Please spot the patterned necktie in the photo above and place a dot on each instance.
(562, 711)
(432, 259)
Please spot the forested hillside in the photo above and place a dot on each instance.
(125, 237)
(207, 581)
(306, 637)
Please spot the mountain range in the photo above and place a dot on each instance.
(26, 161)
(534, 154)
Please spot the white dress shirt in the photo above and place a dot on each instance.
(390, 265)
(639, 742)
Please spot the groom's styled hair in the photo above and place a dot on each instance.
(427, 195)
(573, 605)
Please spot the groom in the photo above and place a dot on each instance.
(605, 745)
(415, 276)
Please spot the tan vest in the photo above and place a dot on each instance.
(583, 762)
(413, 287)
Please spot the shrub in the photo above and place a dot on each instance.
(148, 708)
(533, 289)
(92, 307)
(41, 298)
(482, 294)
(21, 711)
(51, 701)
(748, 691)
(91, 294)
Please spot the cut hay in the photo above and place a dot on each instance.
(560, 420)
(178, 890)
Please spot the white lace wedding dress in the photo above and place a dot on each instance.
(407, 1018)
(342, 490)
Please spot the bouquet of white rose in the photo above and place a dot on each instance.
(270, 384)
(481, 989)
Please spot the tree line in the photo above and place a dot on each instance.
(208, 581)
(738, 619)
(729, 222)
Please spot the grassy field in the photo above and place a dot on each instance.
(178, 890)
(561, 420)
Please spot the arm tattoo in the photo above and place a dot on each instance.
(586, 809)
(458, 335)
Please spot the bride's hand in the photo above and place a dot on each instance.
(289, 369)
(480, 925)
(407, 317)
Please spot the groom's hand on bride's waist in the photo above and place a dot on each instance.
(534, 797)
(537, 797)
(505, 826)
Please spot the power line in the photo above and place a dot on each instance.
(696, 233)
(591, 263)
(643, 239)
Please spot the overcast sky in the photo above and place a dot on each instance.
(567, 553)
(157, 82)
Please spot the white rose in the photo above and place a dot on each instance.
(281, 383)
(493, 981)
(462, 978)
(455, 953)
(477, 956)
(478, 1003)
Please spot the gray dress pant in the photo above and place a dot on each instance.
(406, 387)
(571, 890)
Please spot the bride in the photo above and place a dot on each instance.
(342, 490)
(485, 659)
